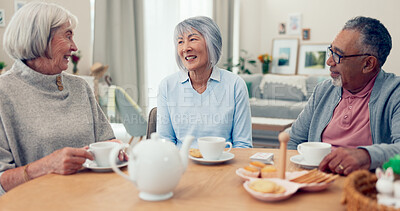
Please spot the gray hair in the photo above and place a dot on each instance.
(31, 29)
(375, 38)
(209, 30)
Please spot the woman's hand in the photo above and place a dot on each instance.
(67, 160)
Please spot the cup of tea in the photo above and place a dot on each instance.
(101, 152)
(314, 152)
(211, 148)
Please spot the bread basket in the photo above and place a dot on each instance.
(360, 192)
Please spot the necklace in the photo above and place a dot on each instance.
(197, 90)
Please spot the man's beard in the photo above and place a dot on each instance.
(337, 81)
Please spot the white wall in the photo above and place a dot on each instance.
(81, 9)
(325, 18)
(259, 23)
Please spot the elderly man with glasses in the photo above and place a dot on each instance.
(358, 111)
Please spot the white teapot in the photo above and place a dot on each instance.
(155, 166)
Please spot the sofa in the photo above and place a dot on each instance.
(278, 96)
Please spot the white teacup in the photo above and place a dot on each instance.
(101, 152)
(211, 148)
(314, 152)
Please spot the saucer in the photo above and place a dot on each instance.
(224, 157)
(93, 166)
(299, 160)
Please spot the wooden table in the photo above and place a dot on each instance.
(202, 187)
(274, 124)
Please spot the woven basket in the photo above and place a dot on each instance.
(360, 192)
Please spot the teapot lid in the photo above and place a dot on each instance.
(154, 136)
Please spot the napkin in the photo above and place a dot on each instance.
(264, 157)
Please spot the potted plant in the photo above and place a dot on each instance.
(243, 60)
(75, 57)
(265, 60)
(2, 66)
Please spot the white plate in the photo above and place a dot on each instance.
(93, 166)
(288, 176)
(299, 160)
(290, 188)
(224, 157)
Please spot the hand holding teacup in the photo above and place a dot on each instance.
(211, 148)
(314, 152)
(101, 152)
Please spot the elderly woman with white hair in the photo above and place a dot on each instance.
(47, 116)
(202, 99)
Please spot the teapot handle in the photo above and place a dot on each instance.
(113, 155)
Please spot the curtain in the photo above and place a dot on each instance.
(223, 13)
(118, 42)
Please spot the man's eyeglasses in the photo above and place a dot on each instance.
(336, 57)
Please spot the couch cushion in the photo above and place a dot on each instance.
(255, 80)
(283, 87)
(277, 91)
(276, 108)
(312, 81)
(248, 84)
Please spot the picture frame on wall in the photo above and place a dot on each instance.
(282, 28)
(294, 24)
(306, 34)
(18, 4)
(312, 59)
(284, 56)
(2, 18)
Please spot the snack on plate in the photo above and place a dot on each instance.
(257, 164)
(195, 153)
(251, 171)
(315, 176)
(266, 186)
(269, 171)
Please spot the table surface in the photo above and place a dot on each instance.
(202, 187)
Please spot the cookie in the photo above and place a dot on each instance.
(195, 153)
(266, 186)
(251, 169)
(257, 164)
(269, 171)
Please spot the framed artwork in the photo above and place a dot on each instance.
(294, 24)
(282, 28)
(306, 34)
(312, 59)
(18, 4)
(284, 56)
(2, 18)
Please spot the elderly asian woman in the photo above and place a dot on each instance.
(202, 99)
(47, 116)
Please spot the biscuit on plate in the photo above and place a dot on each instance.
(266, 186)
(257, 164)
(251, 171)
(269, 171)
(195, 153)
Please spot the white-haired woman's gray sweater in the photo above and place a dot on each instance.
(36, 118)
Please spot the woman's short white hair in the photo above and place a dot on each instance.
(209, 30)
(31, 29)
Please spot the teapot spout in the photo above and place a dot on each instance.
(184, 152)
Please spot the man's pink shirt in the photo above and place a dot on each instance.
(350, 125)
